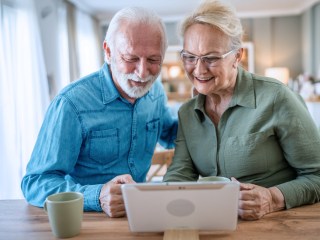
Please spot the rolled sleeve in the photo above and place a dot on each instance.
(91, 198)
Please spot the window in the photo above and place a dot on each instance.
(23, 91)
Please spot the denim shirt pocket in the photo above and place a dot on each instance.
(152, 135)
(246, 155)
(104, 145)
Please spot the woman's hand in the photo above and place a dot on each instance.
(256, 201)
(111, 200)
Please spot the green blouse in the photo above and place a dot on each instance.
(265, 137)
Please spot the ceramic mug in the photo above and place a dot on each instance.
(65, 212)
(214, 179)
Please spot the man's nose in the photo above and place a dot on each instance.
(142, 68)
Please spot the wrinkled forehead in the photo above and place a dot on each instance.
(139, 38)
(202, 39)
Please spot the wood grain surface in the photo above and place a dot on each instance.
(19, 220)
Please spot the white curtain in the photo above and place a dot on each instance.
(64, 77)
(87, 44)
(24, 93)
(76, 45)
(80, 47)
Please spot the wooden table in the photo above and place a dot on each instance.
(18, 220)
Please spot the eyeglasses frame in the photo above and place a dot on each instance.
(205, 56)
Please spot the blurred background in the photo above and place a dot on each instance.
(46, 44)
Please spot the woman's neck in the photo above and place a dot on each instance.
(216, 105)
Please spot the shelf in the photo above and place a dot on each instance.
(180, 97)
(175, 80)
(176, 84)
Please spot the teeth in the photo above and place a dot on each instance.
(138, 81)
(204, 79)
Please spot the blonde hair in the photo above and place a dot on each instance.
(219, 15)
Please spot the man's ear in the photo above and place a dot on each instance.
(107, 52)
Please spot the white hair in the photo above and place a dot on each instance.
(135, 15)
(219, 15)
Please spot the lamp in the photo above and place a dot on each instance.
(279, 73)
(174, 71)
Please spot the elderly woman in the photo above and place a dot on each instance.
(243, 126)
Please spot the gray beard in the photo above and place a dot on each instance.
(123, 81)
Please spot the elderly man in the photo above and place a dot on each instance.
(101, 130)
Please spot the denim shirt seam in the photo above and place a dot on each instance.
(153, 97)
(73, 106)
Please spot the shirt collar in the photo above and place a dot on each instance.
(109, 90)
(243, 95)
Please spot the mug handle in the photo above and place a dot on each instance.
(45, 207)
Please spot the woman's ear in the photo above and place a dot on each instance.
(238, 57)
(107, 52)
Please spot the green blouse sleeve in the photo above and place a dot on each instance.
(300, 141)
(181, 168)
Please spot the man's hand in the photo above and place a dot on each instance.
(256, 201)
(111, 200)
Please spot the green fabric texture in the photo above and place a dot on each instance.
(265, 137)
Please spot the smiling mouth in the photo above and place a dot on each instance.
(138, 84)
(204, 80)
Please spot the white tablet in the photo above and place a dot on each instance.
(157, 207)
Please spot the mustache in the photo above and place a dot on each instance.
(136, 78)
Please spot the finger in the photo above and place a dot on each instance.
(243, 186)
(111, 189)
(246, 186)
(125, 178)
(128, 179)
(112, 205)
(114, 199)
(115, 189)
(246, 205)
(111, 201)
(115, 210)
(118, 214)
(233, 179)
(246, 195)
(247, 214)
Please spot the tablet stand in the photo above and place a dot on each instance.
(181, 234)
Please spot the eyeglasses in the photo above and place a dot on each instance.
(210, 60)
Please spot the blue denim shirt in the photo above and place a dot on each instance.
(91, 134)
